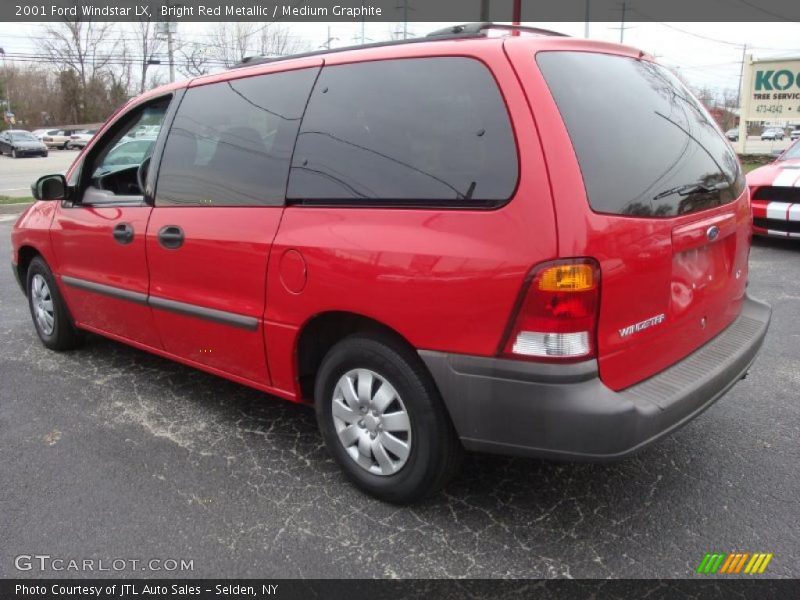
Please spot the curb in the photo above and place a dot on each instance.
(13, 209)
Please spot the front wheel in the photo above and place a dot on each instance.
(383, 420)
(14, 153)
(48, 309)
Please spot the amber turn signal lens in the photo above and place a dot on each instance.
(567, 278)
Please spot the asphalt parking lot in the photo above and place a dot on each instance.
(19, 173)
(108, 452)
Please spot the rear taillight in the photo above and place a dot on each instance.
(556, 315)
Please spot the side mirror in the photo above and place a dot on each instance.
(50, 187)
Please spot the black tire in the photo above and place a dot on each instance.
(435, 450)
(64, 336)
(14, 153)
(44, 154)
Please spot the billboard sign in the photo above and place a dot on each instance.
(771, 90)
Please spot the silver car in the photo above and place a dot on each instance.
(772, 134)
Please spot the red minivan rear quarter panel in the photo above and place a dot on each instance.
(444, 279)
(643, 272)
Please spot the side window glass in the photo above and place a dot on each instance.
(428, 131)
(120, 161)
(231, 142)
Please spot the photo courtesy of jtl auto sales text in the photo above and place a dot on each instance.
(399, 298)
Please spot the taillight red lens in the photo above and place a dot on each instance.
(556, 317)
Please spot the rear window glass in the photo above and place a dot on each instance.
(405, 132)
(645, 145)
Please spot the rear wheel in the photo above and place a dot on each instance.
(48, 309)
(383, 420)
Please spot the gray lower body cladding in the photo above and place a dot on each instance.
(566, 412)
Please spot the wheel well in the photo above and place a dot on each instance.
(24, 257)
(321, 333)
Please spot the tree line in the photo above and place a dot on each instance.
(81, 71)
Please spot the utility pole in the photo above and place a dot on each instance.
(741, 73)
(170, 52)
(166, 29)
(745, 82)
(484, 11)
(405, 8)
(586, 21)
(624, 11)
(8, 92)
(327, 44)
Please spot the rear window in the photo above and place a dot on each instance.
(407, 132)
(645, 145)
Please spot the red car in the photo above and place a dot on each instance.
(775, 195)
(463, 242)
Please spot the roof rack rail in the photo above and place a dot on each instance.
(480, 29)
(450, 33)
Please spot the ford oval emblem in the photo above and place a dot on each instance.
(712, 233)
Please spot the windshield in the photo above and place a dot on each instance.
(646, 146)
(792, 152)
(23, 136)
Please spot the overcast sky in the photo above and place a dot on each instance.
(706, 54)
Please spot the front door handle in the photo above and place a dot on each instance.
(170, 237)
(123, 233)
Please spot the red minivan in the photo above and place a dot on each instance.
(525, 244)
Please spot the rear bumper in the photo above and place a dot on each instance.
(566, 412)
(30, 151)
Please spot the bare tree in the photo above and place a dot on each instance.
(278, 40)
(195, 59)
(148, 43)
(231, 42)
(83, 47)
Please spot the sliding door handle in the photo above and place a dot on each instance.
(170, 237)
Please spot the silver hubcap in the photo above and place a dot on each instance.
(42, 305)
(372, 422)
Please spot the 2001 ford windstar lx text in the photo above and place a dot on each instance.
(464, 242)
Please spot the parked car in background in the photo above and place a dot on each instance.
(775, 195)
(733, 134)
(81, 138)
(129, 152)
(56, 138)
(772, 134)
(794, 134)
(146, 131)
(39, 133)
(18, 142)
(441, 245)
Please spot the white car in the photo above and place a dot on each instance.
(56, 138)
(80, 138)
(772, 134)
